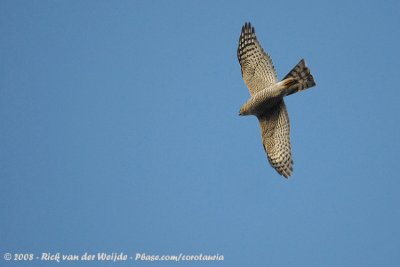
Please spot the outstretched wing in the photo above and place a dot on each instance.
(275, 133)
(257, 69)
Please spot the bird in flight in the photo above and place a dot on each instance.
(267, 93)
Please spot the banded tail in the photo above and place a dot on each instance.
(302, 78)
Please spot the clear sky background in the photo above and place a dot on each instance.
(120, 132)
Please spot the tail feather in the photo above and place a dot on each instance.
(302, 76)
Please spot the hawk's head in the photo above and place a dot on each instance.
(244, 110)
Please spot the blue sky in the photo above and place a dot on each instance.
(120, 132)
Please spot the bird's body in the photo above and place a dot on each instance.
(267, 95)
(265, 99)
